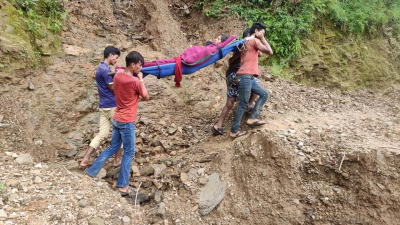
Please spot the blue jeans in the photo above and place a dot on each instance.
(122, 133)
(247, 85)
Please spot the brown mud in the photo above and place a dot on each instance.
(322, 158)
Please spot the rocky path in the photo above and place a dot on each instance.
(39, 193)
(322, 158)
(35, 192)
(177, 155)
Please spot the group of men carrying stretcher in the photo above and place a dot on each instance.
(119, 94)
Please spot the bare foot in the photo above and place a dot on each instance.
(86, 158)
(118, 158)
(117, 162)
(85, 163)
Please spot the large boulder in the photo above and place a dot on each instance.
(212, 194)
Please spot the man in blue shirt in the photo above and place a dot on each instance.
(107, 104)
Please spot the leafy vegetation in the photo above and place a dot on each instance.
(3, 187)
(289, 21)
(42, 21)
(41, 16)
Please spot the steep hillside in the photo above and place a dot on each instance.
(324, 157)
(345, 63)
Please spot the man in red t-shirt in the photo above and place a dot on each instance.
(128, 86)
(245, 77)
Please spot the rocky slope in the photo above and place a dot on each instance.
(322, 158)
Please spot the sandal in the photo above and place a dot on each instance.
(84, 168)
(129, 193)
(218, 131)
(239, 134)
(257, 123)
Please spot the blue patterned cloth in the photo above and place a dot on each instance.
(232, 88)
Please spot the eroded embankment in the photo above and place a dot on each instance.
(268, 183)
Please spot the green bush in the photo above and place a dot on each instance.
(288, 22)
(53, 11)
(41, 16)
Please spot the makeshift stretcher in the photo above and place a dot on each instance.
(192, 60)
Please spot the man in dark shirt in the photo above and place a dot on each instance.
(232, 90)
(107, 104)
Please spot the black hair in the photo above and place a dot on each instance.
(224, 37)
(209, 43)
(246, 32)
(257, 25)
(111, 50)
(134, 57)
